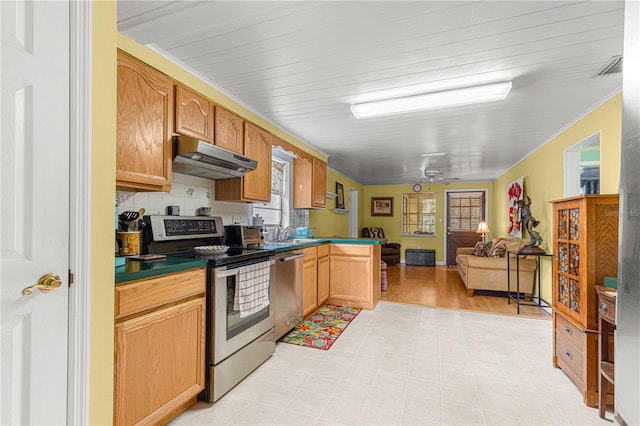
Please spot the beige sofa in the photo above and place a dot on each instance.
(490, 273)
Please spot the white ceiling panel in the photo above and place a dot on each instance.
(301, 64)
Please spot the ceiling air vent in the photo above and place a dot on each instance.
(613, 66)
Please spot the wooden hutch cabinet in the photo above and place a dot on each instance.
(145, 125)
(585, 247)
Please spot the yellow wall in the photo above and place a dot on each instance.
(393, 225)
(183, 76)
(103, 164)
(326, 221)
(543, 173)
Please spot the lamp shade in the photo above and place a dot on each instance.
(482, 228)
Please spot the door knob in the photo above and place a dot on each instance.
(47, 283)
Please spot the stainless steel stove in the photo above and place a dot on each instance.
(240, 326)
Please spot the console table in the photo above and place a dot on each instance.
(516, 299)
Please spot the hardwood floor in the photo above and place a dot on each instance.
(441, 287)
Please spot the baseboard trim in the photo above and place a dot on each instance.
(617, 420)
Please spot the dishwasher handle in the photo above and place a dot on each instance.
(288, 258)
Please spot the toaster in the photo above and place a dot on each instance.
(243, 235)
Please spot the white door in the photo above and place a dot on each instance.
(34, 220)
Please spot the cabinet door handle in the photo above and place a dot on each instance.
(568, 330)
(568, 354)
(603, 308)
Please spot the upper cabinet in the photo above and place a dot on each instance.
(145, 124)
(255, 185)
(319, 183)
(310, 183)
(257, 145)
(229, 132)
(151, 103)
(194, 114)
(302, 186)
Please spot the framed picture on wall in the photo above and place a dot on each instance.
(340, 197)
(382, 206)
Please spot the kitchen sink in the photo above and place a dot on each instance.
(291, 242)
(304, 240)
(278, 244)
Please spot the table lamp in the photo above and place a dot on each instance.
(482, 229)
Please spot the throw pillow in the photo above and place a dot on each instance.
(480, 249)
(498, 251)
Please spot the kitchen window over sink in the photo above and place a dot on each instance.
(277, 211)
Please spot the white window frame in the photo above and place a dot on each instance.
(405, 219)
(286, 201)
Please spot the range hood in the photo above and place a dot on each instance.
(199, 158)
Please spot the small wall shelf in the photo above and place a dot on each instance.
(341, 211)
(331, 195)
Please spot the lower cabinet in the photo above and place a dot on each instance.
(341, 274)
(576, 352)
(323, 274)
(309, 281)
(355, 275)
(159, 347)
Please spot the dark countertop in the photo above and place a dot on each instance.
(136, 270)
(299, 243)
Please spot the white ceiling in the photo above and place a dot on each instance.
(300, 64)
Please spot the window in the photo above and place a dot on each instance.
(419, 214)
(276, 212)
(465, 210)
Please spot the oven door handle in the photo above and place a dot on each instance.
(227, 273)
(288, 258)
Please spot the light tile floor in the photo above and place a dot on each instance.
(401, 364)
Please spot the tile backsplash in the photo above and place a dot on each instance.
(189, 193)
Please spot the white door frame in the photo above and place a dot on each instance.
(446, 212)
(80, 86)
(572, 164)
(353, 213)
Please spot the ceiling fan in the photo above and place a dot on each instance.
(435, 176)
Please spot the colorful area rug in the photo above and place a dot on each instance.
(321, 329)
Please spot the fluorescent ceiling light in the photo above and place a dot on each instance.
(455, 97)
(434, 154)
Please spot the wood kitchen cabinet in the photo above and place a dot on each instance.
(323, 274)
(229, 130)
(319, 183)
(194, 114)
(309, 182)
(585, 247)
(256, 184)
(309, 281)
(159, 347)
(144, 126)
(355, 275)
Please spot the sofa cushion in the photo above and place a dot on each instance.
(480, 249)
(510, 244)
(498, 251)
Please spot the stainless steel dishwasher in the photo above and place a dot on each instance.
(288, 291)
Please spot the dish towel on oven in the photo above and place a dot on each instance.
(252, 288)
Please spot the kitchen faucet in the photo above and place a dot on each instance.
(282, 233)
